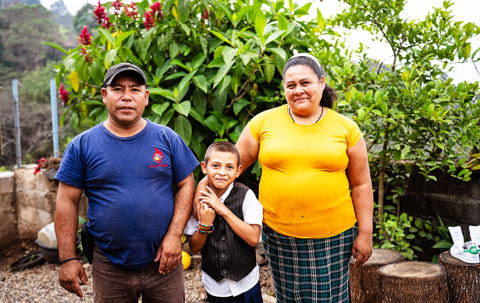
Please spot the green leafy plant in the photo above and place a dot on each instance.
(440, 235)
(398, 232)
(412, 119)
(211, 65)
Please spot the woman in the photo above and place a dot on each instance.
(311, 158)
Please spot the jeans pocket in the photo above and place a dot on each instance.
(99, 255)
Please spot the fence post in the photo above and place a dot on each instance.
(17, 122)
(53, 105)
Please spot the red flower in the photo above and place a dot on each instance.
(106, 24)
(87, 54)
(85, 38)
(100, 13)
(157, 10)
(205, 14)
(149, 22)
(131, 10)
(63, 95)
(117, 5)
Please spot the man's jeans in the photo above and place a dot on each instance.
(112, 283)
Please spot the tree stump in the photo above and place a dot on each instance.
(411, 281)
(463, 279)
(365, 280)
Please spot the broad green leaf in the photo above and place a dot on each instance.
(96, 72)
(167, 116)
(56, 46)
(159, 109)
(291, 7)
(279, 52)
(218, 62)
(162, 92)
(183, 127)
(198, 60)
(302, 10)
(173, 49)
(260, 23)
(229, 54)
(183, 10)
(220, 95)
(221, 73)
(282, 23)
(243, 11)
(110, 57)
(213, 124)
(224, 9)
(320, 21)
(199, 101)
(239, 104)
(195, 114)
(123, 36)
(268, 70)
(220, 36)
(274, 36)
(201, 82)
(107, 35)
(204, 44)
(186, 81)
(361, 114)
(74, 81)
(182, 108)
(466, 51)
(176, 75)
(185, 28)
(178, 63)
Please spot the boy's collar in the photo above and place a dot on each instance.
(227, 192)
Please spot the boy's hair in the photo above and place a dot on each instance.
(222, 146)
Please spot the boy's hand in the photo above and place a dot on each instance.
(207, 214)
(209, 197)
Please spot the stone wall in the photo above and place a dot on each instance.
(8, 217)
(27, 203)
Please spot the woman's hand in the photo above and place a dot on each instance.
(208, 197)
(207, 214)
(362, 248)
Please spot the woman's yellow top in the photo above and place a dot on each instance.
(304, 188)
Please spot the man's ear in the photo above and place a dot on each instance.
(147, 95)
(239, 171)
(104, 95)
(204, 167)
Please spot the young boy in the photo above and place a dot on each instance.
(229, 230)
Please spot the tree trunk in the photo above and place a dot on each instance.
(408, 282)
(365, 280)
(463, 279)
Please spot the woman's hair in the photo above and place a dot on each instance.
(329, 95)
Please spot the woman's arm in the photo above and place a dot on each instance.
(248, 149)
(358, 174)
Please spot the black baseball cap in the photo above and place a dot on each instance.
(121, 67)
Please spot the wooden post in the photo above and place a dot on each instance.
(463, 279)
(365, 280)
(411, 281)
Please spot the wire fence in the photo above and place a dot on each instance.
(35, 127)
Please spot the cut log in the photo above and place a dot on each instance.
(365, 280)
(463, 279)
(411, 281)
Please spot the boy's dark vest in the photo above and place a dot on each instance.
(226, 255)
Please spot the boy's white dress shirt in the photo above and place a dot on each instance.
(252, 214)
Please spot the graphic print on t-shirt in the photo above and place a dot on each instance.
(157, 157)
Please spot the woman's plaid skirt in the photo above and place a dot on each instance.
(309, 270)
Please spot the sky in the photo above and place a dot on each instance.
(463, 10)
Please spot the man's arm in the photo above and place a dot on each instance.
(170, 251)
(66, 224)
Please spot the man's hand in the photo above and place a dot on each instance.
(362, 249)
(68, 276)
(169, 253)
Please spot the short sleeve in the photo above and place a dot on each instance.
(255, 126)
(71, 169)
(252, 209)
(354, 135)
(183, 160)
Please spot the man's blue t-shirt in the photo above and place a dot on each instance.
(128, 182)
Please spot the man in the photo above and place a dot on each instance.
(126, 166)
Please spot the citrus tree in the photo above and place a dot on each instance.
(413, 116)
